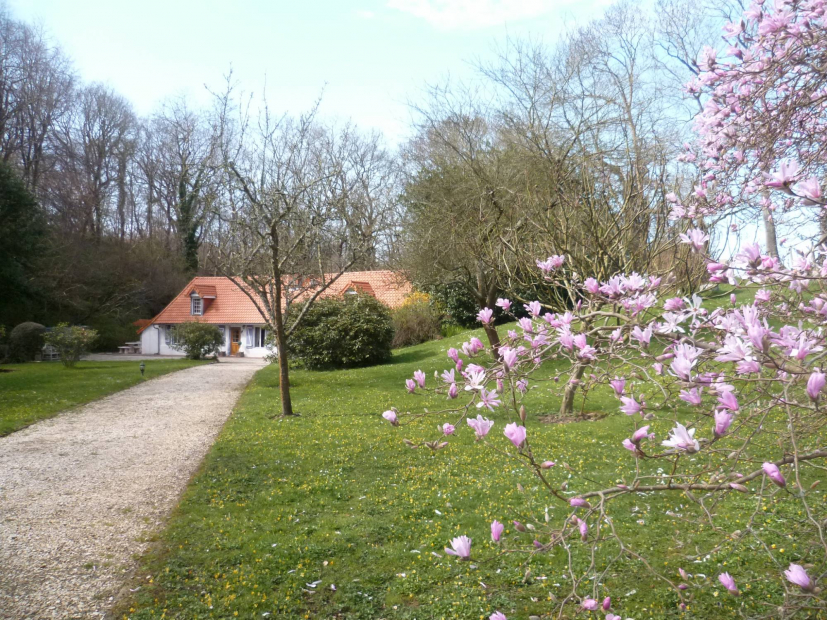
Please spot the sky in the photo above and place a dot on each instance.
(369, 58)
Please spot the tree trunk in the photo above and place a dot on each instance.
(567, 406)
(493, 338)
(284, 376)
(278, 320)
(769, 230)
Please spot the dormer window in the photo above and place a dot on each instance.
(197, 306)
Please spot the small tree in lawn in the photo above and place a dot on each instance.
(305, 203)
(198, 340)
(72, 342)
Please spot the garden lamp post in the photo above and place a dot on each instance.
(142, 367)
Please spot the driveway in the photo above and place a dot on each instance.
(80, 494)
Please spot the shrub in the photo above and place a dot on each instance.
(4, 347)
(26, 341)
(71, 342)
(197, 339)
(342, 333)
(456, 302)
(416, 321)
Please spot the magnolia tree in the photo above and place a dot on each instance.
(761, 131)
(740, 387)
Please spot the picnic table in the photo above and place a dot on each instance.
(130, 347)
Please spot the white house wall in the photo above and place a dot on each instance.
(154, 335)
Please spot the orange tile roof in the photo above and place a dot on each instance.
(207, 291)
(231, 304)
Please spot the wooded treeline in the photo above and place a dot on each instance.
(555, 149)
(114, 212)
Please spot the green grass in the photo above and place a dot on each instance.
(335, 496)
(32, 392)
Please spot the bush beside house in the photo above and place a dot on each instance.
(356, 330)
(197, 340)
(416, 321)
(25, 342)
(71, 342)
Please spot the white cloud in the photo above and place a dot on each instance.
(366, 14)
(474, 14)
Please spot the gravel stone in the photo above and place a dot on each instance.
(82, 493)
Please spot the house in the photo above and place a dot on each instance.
(218, 301)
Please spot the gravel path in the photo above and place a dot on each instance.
(81, 493)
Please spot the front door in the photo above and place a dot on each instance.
(235, 340)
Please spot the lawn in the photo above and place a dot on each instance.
(329, 515)
(32, 392)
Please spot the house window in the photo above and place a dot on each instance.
(260, 337)
(197, 307)
(170, 336)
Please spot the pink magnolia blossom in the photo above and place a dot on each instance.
(590, 604)
(480, 425)
(618, 385)
(453, 355)
(774, 474)
(798, 576)
(534, 308)
(448, 376)
(497, 615)
(410, 384)
(809, 189)
(460, 547)
(728, 401)
(681, 438)
(579, 502)
(453, 391)
(630, 406)
(419, 377)
(695, 237)
(552, 263)
(592, 286)
(547, 464)
(448, 429)
(607, 603)
(515, 434)
(693, 396)
(674, 303)
(584, 529)
(488, 399)
(391, 417)
(728, 582)
(475, 380)
(762, 296)
(508, 357)
(784, 175)
(640, 434)
(723, 419)
(505, 304)
(643, 336)
(496, 530)
(485, 316)
(815, 384)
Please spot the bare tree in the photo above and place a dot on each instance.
(179, 151)
(297, 215)
(90, 146)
